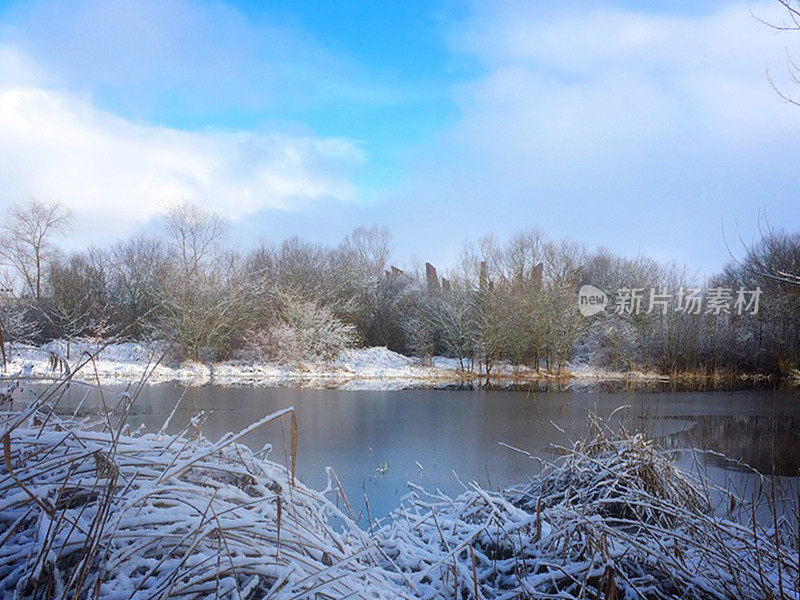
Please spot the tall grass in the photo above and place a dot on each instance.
(612, 518)
(88, 510)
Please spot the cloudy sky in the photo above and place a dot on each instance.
(645, 127)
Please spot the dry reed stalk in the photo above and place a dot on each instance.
(294, 445)
(89, 512)
(612, 518)
(2, 346)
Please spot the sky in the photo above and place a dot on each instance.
(649, 128)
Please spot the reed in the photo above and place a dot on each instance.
(612, 518)
(89, 510)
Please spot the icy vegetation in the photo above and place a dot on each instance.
(92, 510)
(613, 519)
(96, 513)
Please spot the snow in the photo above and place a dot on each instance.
(445, 362)
(613, 517)
(376, 368)
(378, 357)
(364, 368)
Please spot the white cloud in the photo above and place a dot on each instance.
(591, 39)
(193, 58)
(610, 81)
(634, 129)
(116, 173)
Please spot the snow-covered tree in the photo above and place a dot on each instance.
(301, 330)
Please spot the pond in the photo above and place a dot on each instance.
(378, 441)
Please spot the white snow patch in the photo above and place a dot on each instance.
(376, 368)
(363, 368)
(378, 357)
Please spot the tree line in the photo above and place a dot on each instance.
(513, 301)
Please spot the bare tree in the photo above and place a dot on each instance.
(371, 245)
(26, 241)
(451, 315)
(16, 324)
(792, 23)
(774, 256)
(194, 234)
(77, 303)
(208, 311)
(769, 236)
(138, 271)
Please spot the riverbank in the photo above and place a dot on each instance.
(93, 511)
(374, 368)
(128, 362)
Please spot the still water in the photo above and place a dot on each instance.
(378, 441)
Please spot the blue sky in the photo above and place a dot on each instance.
(640, 126)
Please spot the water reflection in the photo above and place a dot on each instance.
(769, 444)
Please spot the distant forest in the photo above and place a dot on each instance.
(295, 300)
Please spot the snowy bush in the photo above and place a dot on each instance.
(17, 324)
(610, 342)
(301, 330)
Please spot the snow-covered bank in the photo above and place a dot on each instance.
(374, 368)
(90, 513)
(119, 363)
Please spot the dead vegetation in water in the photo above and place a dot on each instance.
(89, 510)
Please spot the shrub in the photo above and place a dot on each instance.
(301, 330)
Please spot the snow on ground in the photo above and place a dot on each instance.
(362, 368)
(376, 358)
(376, 368)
